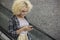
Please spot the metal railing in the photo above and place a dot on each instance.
(6, 33)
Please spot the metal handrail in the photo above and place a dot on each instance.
(42, 31)
(6, 33)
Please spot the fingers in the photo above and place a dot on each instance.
(27, 28)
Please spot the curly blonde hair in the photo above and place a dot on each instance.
(19, 4)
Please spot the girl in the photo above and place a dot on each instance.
(18, 24)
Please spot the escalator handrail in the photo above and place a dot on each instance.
(42, 31)
(5, 8)
(6, 33)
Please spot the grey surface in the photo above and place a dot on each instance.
(3, 21)
(45, 15)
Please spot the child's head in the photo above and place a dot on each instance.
(18, 6)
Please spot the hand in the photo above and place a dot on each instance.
(30, 26)
(27, 28)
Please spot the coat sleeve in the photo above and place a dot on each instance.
(11, 28)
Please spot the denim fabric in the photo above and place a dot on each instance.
(13, 26)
